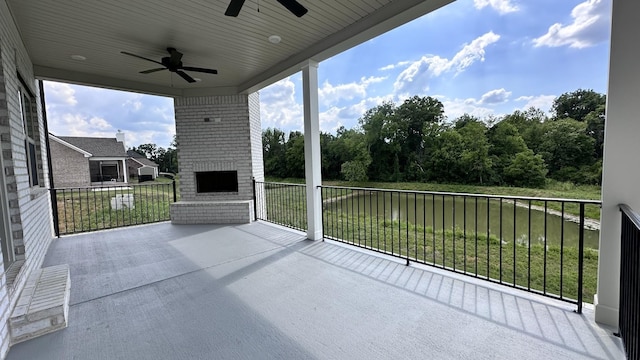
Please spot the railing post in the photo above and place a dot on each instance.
(175, 194)
(255, 199)
(54, 212)
(580, 257)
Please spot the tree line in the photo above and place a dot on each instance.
(167, 159)
(414, 142)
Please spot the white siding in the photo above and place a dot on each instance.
(29, 208)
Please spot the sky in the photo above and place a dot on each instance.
(480, 57)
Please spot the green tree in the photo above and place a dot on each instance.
(566, 147)
(526, 170)
(378, 136)
(505, 142)
(295, 155)
(274, 153)
(475, 154)
(578, 104)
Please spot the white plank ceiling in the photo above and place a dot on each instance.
(238, 48)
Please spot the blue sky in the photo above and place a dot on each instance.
(481, 57)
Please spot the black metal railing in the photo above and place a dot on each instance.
(542, 245)
(629, 310)
(534, 244)
(104, 207)
(281, 203)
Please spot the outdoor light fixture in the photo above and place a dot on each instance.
(275, 39)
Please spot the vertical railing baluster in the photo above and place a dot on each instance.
(488, 237)
(453, 226)
(515, 206)
(501, 237)
(80, 203)
(424, 227)
(433, 226)
(464, 232)
(391, 219)
(444, 227)
(529, 249)
(580, 257)
(544, 271)
(476, 236)
(562, 250)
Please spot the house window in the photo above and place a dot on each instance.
(29, 115)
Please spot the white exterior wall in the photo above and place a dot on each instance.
(217, 133)
(621, 170)
(29, 208)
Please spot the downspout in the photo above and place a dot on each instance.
(52, 188)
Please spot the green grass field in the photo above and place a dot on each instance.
(88, 209)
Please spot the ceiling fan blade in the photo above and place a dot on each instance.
(208, 71)
(295, 7)
(140, 57)
(234, 8)
(152, 70)
(185, 76)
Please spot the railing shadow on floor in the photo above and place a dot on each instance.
(544, 319)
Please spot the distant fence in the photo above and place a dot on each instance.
(84, 209)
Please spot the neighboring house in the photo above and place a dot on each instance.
(138, 165)
(87, 161)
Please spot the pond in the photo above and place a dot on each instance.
(470, 213)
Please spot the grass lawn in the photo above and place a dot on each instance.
(90, 209)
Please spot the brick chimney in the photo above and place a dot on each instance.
(120, 138)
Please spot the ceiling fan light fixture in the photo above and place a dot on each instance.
(275, 39)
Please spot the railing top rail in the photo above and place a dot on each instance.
(279, 183)
(632, 215)
(583, 201)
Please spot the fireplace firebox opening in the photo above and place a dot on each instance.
(216, 181)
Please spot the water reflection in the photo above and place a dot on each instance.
(471, 214)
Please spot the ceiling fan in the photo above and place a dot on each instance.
(292, 5)
(173, 63)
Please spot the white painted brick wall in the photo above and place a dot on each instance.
(29, 208)
(218, 133)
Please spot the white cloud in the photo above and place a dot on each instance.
(496, 96)
(334, 117)
(542, 102)
(78, 125)
(591, 21)
(278, 106)
(396, 65)
(329, 94)
(415, 79)
(501, 6)
(59, 93)
(454, 108)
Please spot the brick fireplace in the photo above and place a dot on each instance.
(219, 153)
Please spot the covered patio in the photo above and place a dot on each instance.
(257, 290)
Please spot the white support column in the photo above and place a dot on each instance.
(124, 170)
(312, 160)
(621, 166)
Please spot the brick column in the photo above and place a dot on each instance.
(217, 133)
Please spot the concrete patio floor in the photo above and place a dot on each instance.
(258, 291)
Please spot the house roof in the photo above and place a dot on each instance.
(98, 147)
(81, 42)
(144, 161)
